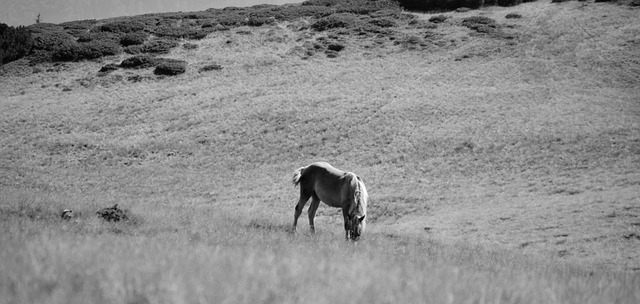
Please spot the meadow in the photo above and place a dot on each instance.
(502, 161)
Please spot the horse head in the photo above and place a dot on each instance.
(355, 227)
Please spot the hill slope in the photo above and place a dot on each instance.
(520, 135)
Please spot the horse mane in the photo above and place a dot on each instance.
(360, 195)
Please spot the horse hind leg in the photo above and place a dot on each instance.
(315, 202)
(304, 197)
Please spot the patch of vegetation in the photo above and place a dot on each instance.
(108, 68)
(139, 62)
(127, 26)
(513, 16)
(340, 20)
(159, 46)
(438, 19)
(189, 46)
(434, 5)
(184, 32)
(135, 38)
(15, 43)
(210, 67)
(170, 67)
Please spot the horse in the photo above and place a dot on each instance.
(322, 182)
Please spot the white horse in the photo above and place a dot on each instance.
(322, 182)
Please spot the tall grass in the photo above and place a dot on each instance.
(202, 254)
(508, 176)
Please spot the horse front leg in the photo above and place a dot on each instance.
(347, 223)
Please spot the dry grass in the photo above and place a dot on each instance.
(501, 168)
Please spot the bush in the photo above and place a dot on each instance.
(127, 26)
(210, 67)
(508, 2)
(320, 2)
(170, 67)
(189, 46)
(438, 19)
(340, 20)
(152, 47)
(15, 43)
(139, 62)
(133, 38)
(108, 68)
(513, 16)
(430, 5)
(97, 48)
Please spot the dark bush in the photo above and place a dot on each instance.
(210, 67)
(15, 43)
(438, 19)
(127, 26)
(340, 20)
(159, 46)
(335, 47)
(49, 38)
(170, 67)
(186, 32)
(430, 5)
(108, 68)
(139, 62)
(291, 13)
(231, 19)
(78, 25)
(133, 38)
(97, 48)
(189, 46)
(513, 16)
(508, 2)
(66, 52)
(320, 2)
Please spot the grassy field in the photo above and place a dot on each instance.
(503, 166)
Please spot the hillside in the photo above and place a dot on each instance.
(516, 139)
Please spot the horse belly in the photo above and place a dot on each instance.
(329, 196)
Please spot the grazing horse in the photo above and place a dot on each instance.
(322, 182)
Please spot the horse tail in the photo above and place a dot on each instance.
(297, 175)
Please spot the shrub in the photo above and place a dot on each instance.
(508, 2)
(186, 32)
(189, 46)
(139, 62)
(133, 38)
(210, 67)
(108, 68)
(438, 19)
(79, 24)
(15, 43)
(513, 16)
(97, 48)
(335, 47)
(170, 67)
(127, 26)
(340, 20)
(49, 38)
(320, 2)
(158, 46)
(430, 5)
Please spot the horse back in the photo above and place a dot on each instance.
(328, 183)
